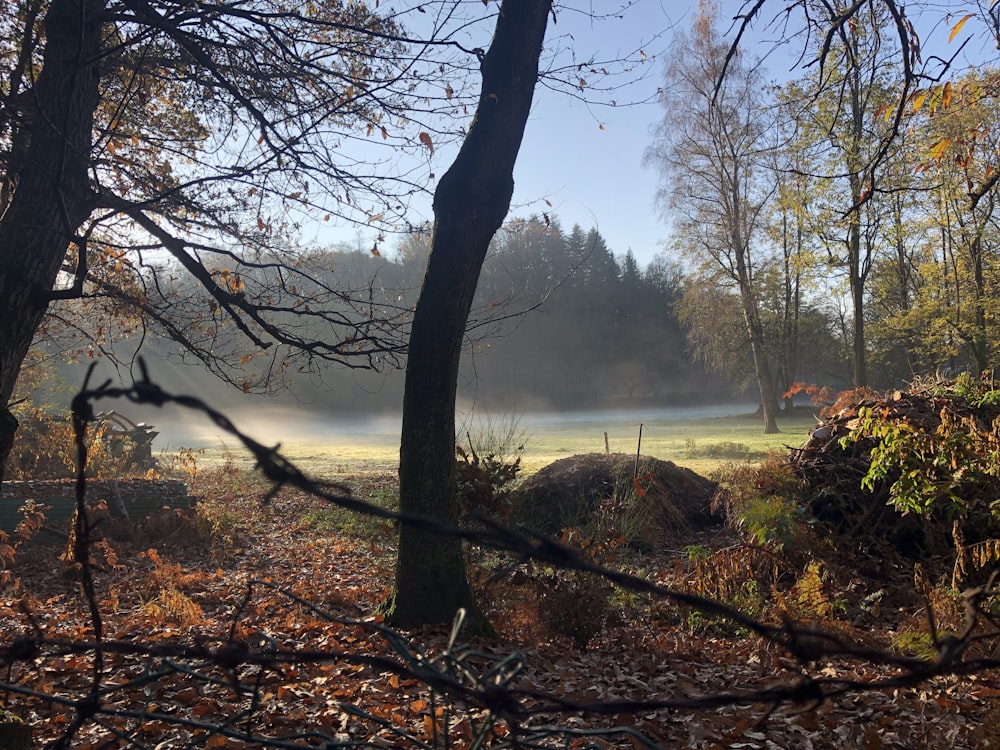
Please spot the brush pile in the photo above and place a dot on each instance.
(917, 471)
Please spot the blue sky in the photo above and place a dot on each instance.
(591, 176)
(595, 176)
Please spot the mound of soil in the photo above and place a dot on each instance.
(567, 492)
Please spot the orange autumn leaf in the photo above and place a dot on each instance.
(425, 139)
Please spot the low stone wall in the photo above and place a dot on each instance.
(131, 499)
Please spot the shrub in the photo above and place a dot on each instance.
(486, 473)
(763, 503)
(45, 448)
(574, 604)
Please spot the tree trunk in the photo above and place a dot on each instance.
(470, 204)
(52, 196)
(765, 386)
(979, 340)
(857, 284)
(751, 318)
(856, 273)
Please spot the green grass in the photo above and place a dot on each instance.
(685, 442)
(701, 445)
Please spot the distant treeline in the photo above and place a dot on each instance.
(559, 322)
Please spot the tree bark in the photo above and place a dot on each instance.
(52, 196)
(470, 204)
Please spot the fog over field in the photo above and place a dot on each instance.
(321, 444)
(299, 425)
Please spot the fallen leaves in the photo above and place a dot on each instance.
(284, 647)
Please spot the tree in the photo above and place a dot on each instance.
(708, 149)
(470, 204)
(141, 140)
(871, 74)
(854, 84)
(965, 136)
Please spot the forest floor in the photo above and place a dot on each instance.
(256, 620)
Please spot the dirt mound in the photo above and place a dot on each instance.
(569, 491)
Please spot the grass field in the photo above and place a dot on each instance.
(700, 444)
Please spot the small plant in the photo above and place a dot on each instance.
(920, 645)
(218, 527)
(625, 515)
(575, 604)
(725, 449)
(773, 522)
(183, 462)
(762, 502)
(486, 473)
(163, 591)
(810, 594)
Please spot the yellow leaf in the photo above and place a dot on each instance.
(938, 149)
(946, 95)
(918, 101)
(958, 26)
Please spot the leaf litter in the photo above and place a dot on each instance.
(290, 601)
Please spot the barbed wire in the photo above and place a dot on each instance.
(461, 683)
